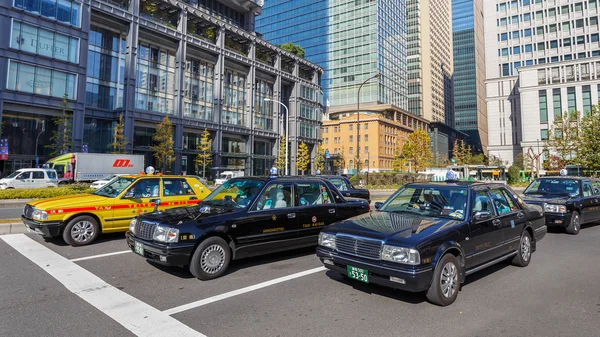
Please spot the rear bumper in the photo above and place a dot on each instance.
(45, 229)
(415, 280)
(162, 253)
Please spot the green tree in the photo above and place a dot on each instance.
(61, 139)
(554, 163)
(479, 159)
(119, 141)
(204, 158)
(280, 162)
(303, 157)
(461, 153)
(417, 150)
(320, 158)
(163, 148)
(519, 161)
(589, 145)
(514, 174)
(563, 137)
(340, 161)
(293, 48)
(398, 163)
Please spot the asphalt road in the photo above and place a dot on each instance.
(556, 295)
(11, 213)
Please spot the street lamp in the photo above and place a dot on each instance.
(358, 122)
(287, 127)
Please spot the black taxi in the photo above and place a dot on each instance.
(568, 201)
(241, 218)
(344, 185)
(430, 236)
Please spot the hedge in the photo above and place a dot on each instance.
(47, 192)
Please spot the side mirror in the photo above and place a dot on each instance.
(480, 216)
(378, 205)
(156, 204)
(129, 195)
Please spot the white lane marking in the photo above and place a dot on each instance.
(99, 255)
(216, 298)
(133, 314)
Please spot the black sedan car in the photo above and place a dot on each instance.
(241, 218)
(344, 185)
(430, 236)
(568, 202)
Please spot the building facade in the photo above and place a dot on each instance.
(430, 60)
(555, 38)
(351, 39)
(198, 62)
(470, 109)
(376, 135)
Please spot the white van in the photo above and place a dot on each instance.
(30, 178)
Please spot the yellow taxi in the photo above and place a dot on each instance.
(81, 218)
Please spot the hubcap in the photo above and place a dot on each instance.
(82, 231)
(213, 259)
(449, 280)
(526, 248)
(576, 223)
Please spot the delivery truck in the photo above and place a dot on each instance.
(87, 167)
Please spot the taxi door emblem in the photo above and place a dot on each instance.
(274, 217)
(314, 219)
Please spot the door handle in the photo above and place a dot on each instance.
(193, 198)
(332, 211)
(291, 215)
(520, 215)
(496, 222)
(347, 194)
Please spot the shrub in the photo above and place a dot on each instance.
(47, 192)
(514, 174)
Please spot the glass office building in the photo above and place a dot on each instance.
(200, 63)
(470, 113)
(351, 39)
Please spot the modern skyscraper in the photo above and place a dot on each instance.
(541, 57)
(430, 64)
(351, 39)
(470, 109)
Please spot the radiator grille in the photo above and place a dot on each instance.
(361, 247)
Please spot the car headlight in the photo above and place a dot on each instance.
(132, 225)
(327, 240)
(40, 215)
(400, 254)
(550, 208)
(166, 234)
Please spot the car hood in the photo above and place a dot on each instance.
(4, 180)
(393, 227)
(545, 199)
(70, 201)
(178, 215)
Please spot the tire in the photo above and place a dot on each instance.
(438, 294)
(524, 252)
(575, 224)
(81, 231)
(211, 259)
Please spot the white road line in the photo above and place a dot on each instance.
(99, 255)
(133, 314)
(216, 298)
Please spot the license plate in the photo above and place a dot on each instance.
(138, 248)
(358, 274)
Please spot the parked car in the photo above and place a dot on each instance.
(568, 202)
(243, 217)
(79, 219)
(348, 190)
(30, 178)
(105, 180)
(430, 236)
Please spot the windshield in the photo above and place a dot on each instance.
(553, 187)
(115, 187)
(109, 177)
(14, 174)
(431, 201)
(235, 193)
(340, 184)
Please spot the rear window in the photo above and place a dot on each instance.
(51, 174)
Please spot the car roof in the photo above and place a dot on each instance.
(463, 184)
(36, 169)
(152, 176)
(282, 179)
(568, 177)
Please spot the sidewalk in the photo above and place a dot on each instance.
(12, 228)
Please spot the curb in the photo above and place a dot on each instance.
(14, 203)
(12, 228)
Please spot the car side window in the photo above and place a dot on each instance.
(482, 203)
(340, 184)
(145, 188)
(511, 202)
(276, 196)
(587, 189)
(24, 175)
(51, 174)
(500, 203)
(596, 187)
(313, 193)
(38, 175)
(175, 187)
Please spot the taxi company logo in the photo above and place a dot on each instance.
(274, 218)
(314, 219)
(122, 163)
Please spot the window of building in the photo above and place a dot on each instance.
(44, 42)
(579, 23)
(554, 59)
(366, 138)
(594, 21)
(552, 12)
(63, 11)
(527, 17)
(198, 94)
(366, 126)
(351, 150)
(566, 42)
(514, 4)
(556, 102)
(503, 36)
(543, 106)
(504, 52)
(43, 81)
(527, 32)
(571, 99)
(528, 48)
(155, 79)
(568, 57)
(581, 39)
(515, 19)
(552, 28)
(553, 44)
(516, 50)
(502, 7)
(351, 138)
(350, 127)
(234, 101)
(544, 134)
(579, 7)
(515, 34)
(506, 69)
(541, 46)
(502, 22)
(594, 37)
(566, 26)
(263, 110)
(587, 99)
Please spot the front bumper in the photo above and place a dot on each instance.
(558, 220)
(415, 279)
(45, 229)
(168, 255)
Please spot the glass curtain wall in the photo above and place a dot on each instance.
(263, 118)
(234, 102)
(155, 80)
(198, 99)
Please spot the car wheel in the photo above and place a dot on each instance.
(524, 252)
(445, 284)
(575, 224)
(81, 231)
(210, 259)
